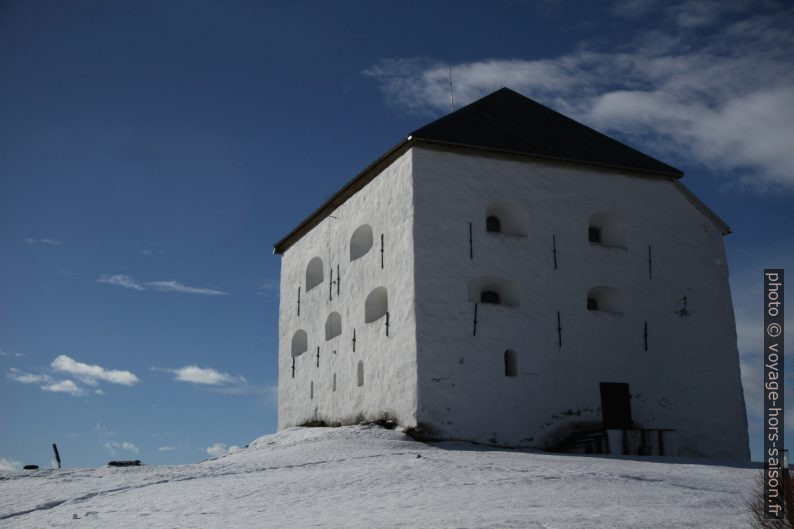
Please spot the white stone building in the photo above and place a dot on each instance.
(508, 276)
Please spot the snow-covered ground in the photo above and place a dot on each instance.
(370, 477)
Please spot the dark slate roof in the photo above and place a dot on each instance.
(507, 121)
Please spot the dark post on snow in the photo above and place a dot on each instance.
(774, 408)
(57, 455)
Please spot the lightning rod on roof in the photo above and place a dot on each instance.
(451, 93)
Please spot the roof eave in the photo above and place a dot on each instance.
(675, 174)
(338, 198)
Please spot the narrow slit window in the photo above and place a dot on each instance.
(594, 234)
(360, 373)
(489, 296)
(511, 363)
(493, 224)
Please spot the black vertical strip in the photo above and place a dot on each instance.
(475, 320)
(471, 244)
(387, 323)
(645, 335)
(559, 331)
(338, 280)
(554, 249)
(381, 250)
(650, 269)
(293, 367)
(299, 300)
(354, 340)
(318, 356)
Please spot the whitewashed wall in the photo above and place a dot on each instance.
(389, 362)
(688, 379)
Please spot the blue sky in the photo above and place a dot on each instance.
(152, 152)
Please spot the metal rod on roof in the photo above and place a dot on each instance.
(381, 250)
(354, 340)
(299, 300)
(451, 92)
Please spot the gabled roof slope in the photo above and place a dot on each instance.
(507, 121)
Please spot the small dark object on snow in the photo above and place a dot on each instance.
(30, 467)
(135, 463)
(418, 456)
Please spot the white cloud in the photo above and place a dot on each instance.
(101, 429)
(205, 375)
(64, 386)
(266, 287)
(9, 465)
(722, 97)
(9, 353)
(120, 280)
(124, 446)
(50, 385)
(90, 374)
(176, 286)
(49, 242)
(166, 449)
(160, 286)
(220, 449)
(26, 378)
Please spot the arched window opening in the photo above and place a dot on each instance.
(489, 296)
(333, 325)
(376, 305)
(494, 290)
(511, 363)
(314, 273)
(507, 218)
(605, 299)
(493, 224)
(300, 342)
(607, 229)
(360, 242)
(333, 384)
(360, 373)
(594, 234)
